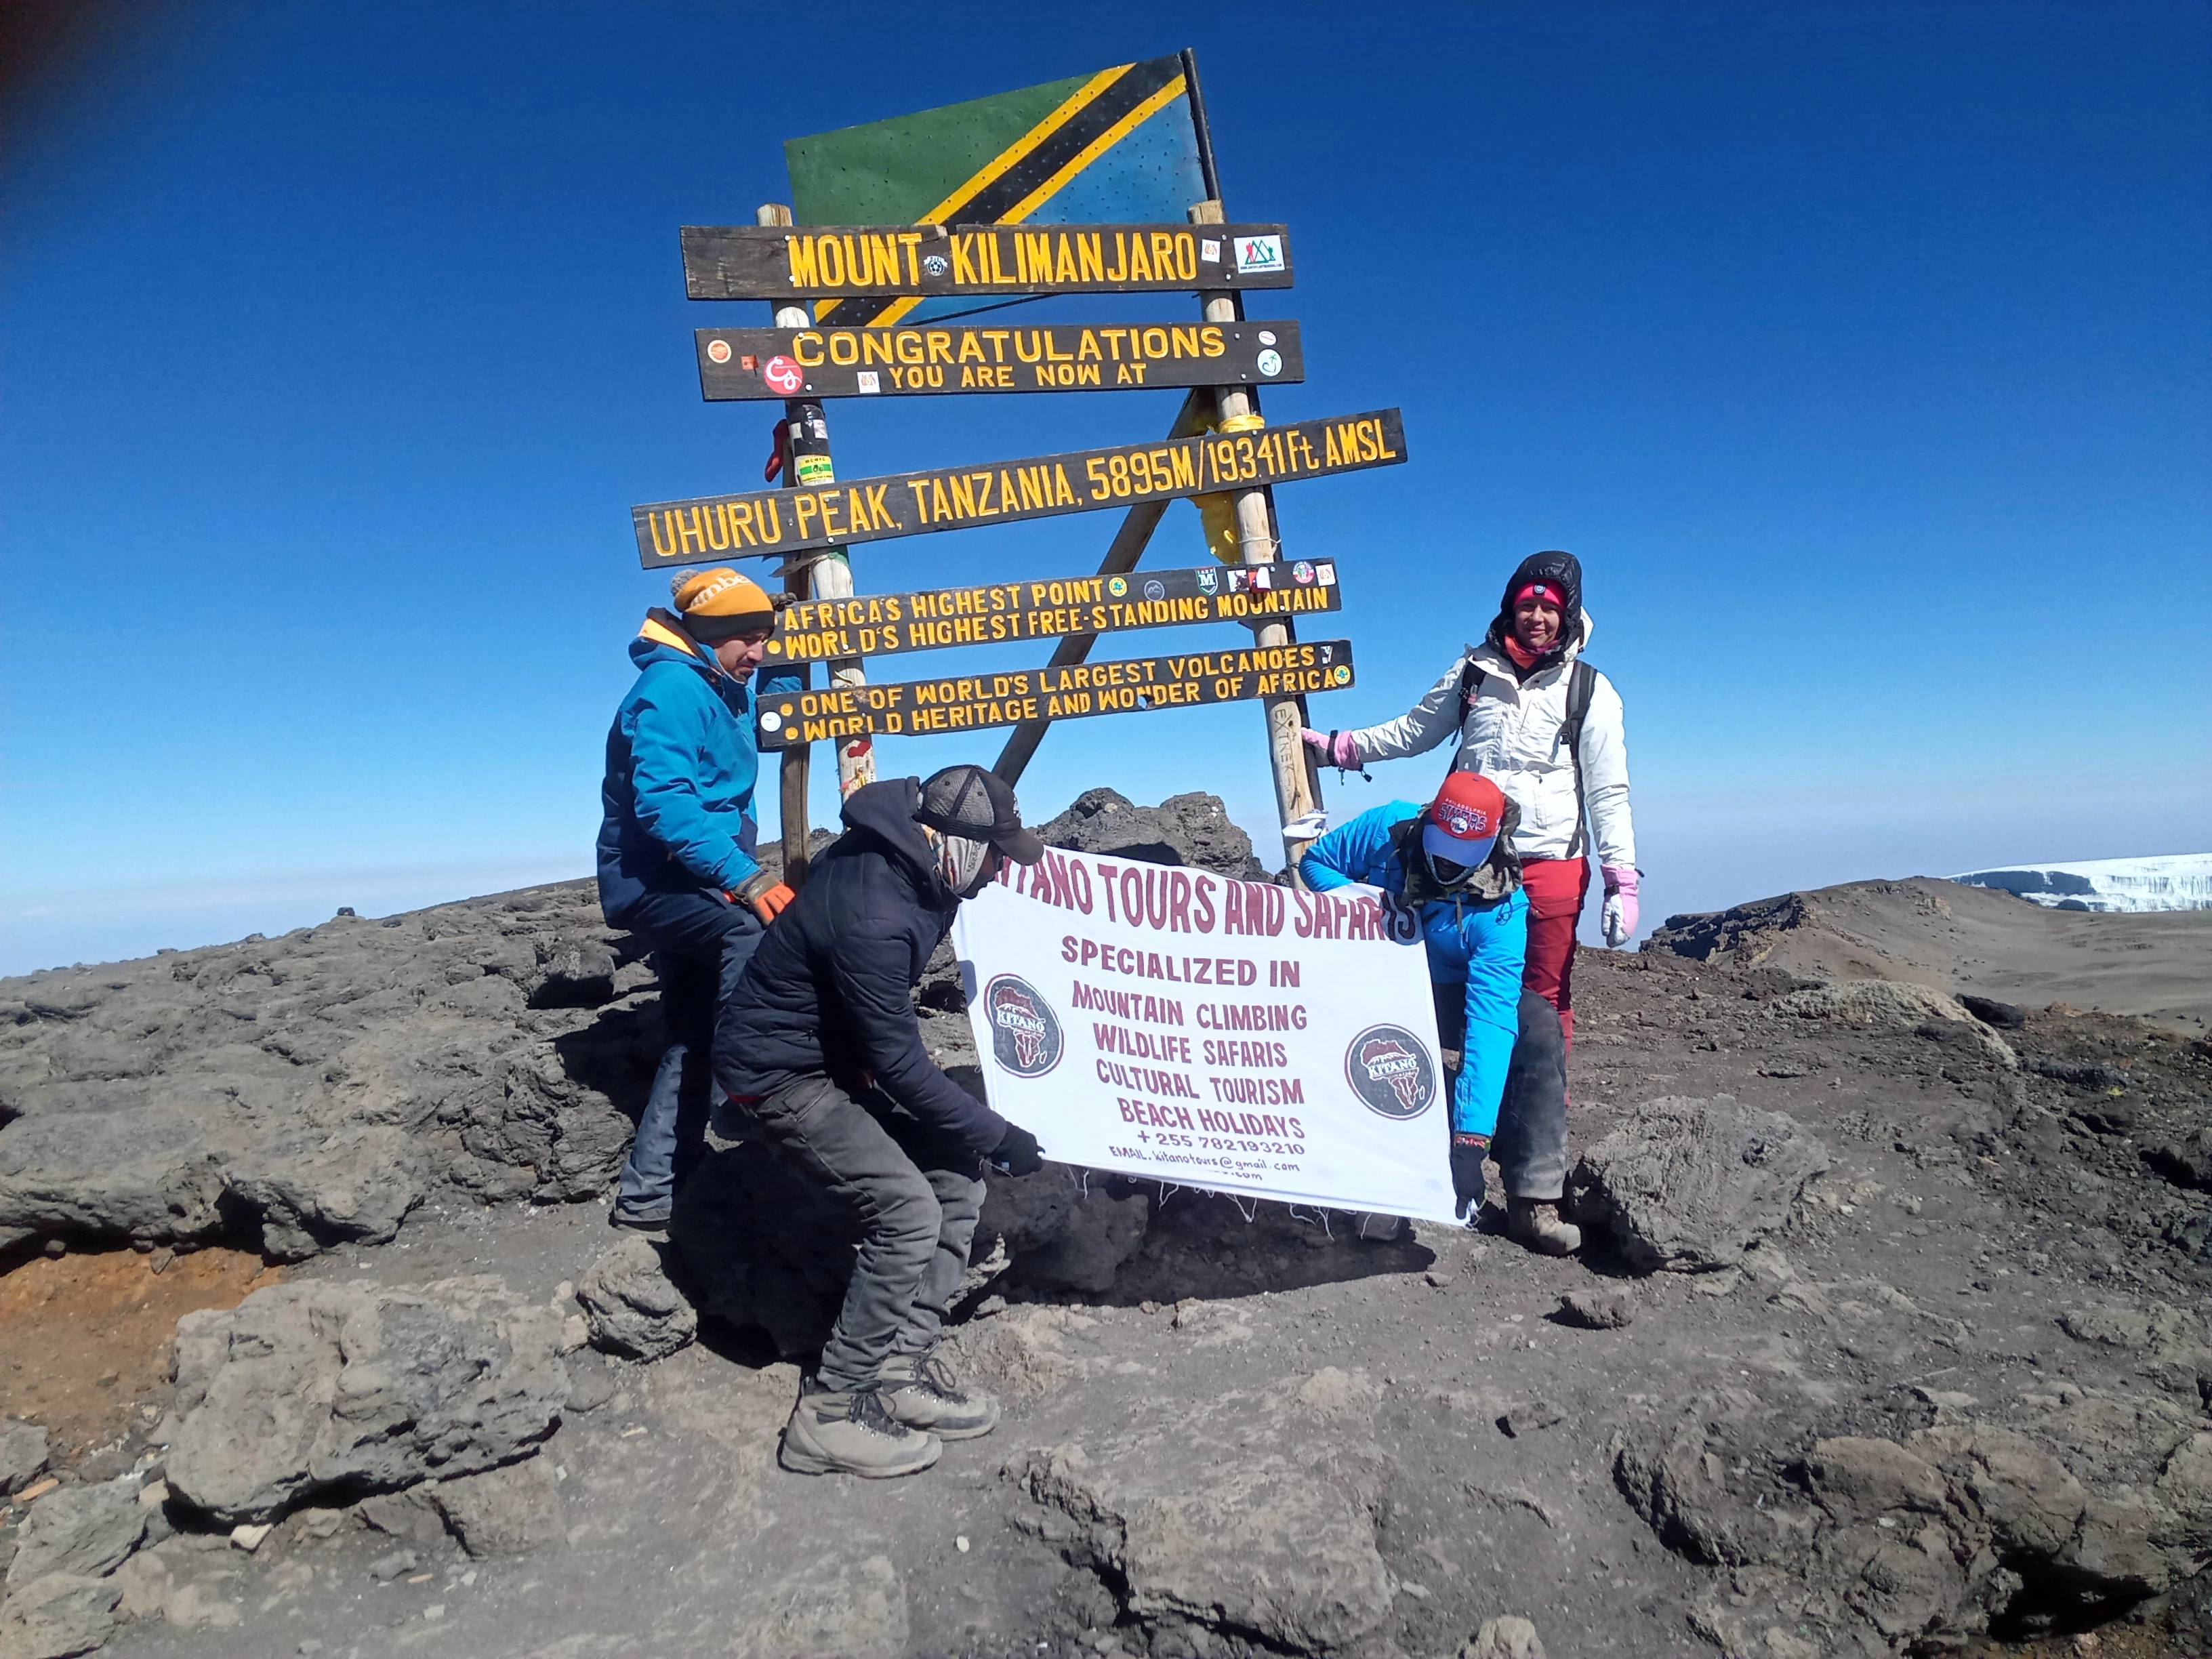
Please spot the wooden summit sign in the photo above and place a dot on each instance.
(994, 613)
(940, 357)
(708, 528)
(756, 262)
(969, 702)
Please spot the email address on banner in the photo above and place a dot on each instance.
(1248, 1167)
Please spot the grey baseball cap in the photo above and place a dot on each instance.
(975, 802)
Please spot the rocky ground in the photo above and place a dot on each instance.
(1890, 1337)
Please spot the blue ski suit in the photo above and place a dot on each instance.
(1475, 948)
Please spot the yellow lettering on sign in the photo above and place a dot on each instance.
(963, 259)
(1141, 268)
(875, 347)
(805, 273)
(940, 345)
(911, 240)
(971, 349)
(832, 257)
(802, 343)
(1036, 255)
(1119, 272)
(1210, 342)
(1090, 263)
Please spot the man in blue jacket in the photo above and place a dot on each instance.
(1453, 861)
(675, 850)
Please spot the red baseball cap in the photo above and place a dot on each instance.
(1463, 821)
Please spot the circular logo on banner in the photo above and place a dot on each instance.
(783, 375)
(1025, 1036)
(1117, 586)
(1271, 362)
(1156, 589)
(1389, 1069)
(935, 263)
(718, 351)
(771, 721)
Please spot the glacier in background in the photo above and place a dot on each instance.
(2178, 881)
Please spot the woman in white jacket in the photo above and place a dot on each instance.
(1511, 700)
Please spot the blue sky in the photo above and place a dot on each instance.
(1860, 352)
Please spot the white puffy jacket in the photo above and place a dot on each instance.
(1511, 734)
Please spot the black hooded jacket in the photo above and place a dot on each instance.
(831, 988)
(1561, 570)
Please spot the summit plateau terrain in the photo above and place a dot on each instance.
(1889, 1335)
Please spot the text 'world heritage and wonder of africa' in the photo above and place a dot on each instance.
(1072, 691)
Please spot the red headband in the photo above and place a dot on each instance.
(1546, 592)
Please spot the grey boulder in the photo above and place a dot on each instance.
(1690, 1185)
(632, 1306)
(58, 1614)
(22, 1454)
(304, 1388)
(85, 1532)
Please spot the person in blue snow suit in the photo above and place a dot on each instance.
(676, 852)
(1453, 860)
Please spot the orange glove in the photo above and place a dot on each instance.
(767, 895)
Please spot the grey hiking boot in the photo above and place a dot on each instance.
(920, 1391)
(832, 1431)
(1535, 1223)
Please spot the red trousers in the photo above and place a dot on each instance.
(1555, 887)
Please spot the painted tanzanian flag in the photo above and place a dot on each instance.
(1119, 146)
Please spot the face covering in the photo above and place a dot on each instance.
(967, 866)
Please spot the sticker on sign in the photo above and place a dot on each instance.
(1259, 254)
(780, 374)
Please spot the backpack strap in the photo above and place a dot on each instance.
(1470, 686)
(1582, 686)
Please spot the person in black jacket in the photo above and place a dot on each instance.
(821, 1047)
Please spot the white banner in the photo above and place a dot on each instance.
(1179, 1025)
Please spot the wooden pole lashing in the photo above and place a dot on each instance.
(820, 574)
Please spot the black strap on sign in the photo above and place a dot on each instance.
(1582, 686)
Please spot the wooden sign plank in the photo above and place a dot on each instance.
(992, 356)
(707, 529)
(990, 613)
(756, 262)
(970, 702)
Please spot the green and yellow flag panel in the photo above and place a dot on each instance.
(1121, 145)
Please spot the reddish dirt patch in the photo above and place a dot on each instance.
(84, 1339)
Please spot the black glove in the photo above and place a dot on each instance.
(1018, 1153)
(1467, 1153)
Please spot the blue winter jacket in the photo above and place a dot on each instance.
(1477, 944)
(681, 762)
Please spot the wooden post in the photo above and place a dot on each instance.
(1127, 546)
(822, 574)
(1297, 788)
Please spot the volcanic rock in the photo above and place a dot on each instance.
(1191, 829)
(1689, 1185)
(81, 1531)
(632, 1306)
(307, 1388)
(22, 1454)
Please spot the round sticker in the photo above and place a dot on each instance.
(1341, 674)
(718, 351)
(1267, 337)
(784, 376)
(935, 263)
(1389, 1069)
(1117, 587)
(1156, 589)
(1025, 1034)
(1270, 363)
(771, 721)
(1302, 571)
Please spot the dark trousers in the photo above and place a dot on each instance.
(700, 944)
(1531, 1142)
(917, 1191)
